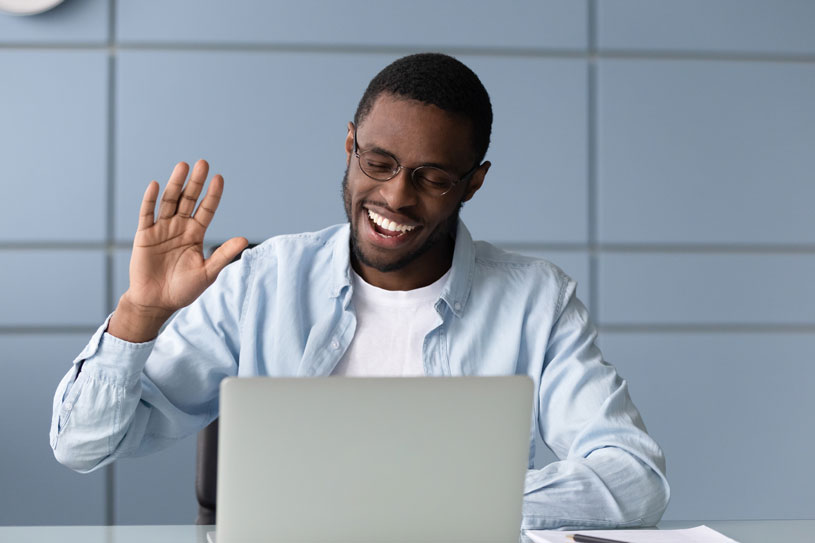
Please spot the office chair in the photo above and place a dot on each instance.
(206, 462)
(206, 473)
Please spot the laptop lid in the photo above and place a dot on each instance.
(430, 459)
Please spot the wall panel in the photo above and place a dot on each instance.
(53, 126)
(52, 288)
(421, 24)
(687, 288)
(732, 26)
(705, 152)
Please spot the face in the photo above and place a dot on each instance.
(415, 246)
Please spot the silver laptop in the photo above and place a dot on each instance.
(364, 460)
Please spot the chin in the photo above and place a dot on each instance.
(372, 257)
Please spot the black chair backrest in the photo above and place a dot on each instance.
(206, 473)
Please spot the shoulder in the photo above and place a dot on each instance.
(502, 261)
(289, 263)
(526, 276)
(291, 247)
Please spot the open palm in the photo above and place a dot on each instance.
(167, 267)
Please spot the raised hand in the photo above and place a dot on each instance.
(167, 267)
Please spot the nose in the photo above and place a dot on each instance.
(399, 191)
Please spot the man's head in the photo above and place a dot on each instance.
(422, 111)
(439, 80)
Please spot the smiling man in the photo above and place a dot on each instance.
(399, 290)
(403, 209)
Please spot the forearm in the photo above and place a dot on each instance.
(610, 488)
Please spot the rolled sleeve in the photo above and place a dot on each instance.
(611, 473)
(90, 399)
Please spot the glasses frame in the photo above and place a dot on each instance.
(413, 171)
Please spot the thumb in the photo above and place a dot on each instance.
(222, 256)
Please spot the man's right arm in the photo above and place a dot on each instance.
(128, 391)
(131, 399)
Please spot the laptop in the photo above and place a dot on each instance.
(364, 460)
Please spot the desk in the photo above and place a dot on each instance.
(743, 531)
(750, 531)
(753, 531)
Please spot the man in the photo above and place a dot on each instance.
(400, 290)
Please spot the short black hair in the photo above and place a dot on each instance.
(440, 80)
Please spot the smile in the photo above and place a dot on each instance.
(388, 225)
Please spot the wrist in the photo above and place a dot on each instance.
(136, 323)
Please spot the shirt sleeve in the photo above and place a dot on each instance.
(611, 473)
(130, 399)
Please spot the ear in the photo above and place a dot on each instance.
(349, 143)
(476, 181)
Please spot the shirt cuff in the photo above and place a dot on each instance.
(111, 358)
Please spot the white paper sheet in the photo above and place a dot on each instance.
(700, 534)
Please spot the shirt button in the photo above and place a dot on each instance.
(335, 344)
(457, 306)
(68, 406)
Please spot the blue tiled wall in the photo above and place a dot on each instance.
(659, 152)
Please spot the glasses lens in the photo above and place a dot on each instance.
(433, 180)
(377, 165)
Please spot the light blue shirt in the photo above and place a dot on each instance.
(285, 310)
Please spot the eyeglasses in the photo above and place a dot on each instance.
(427, 179)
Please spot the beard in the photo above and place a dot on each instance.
(444, 230)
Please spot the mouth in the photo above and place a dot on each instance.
(388, 233)
(388, 228)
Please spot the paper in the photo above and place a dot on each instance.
(700, 534)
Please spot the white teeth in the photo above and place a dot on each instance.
(379, 220)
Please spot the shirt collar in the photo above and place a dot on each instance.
(455, 292)
(341, 261)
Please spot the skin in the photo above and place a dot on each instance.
(168, 270)
(416, 134)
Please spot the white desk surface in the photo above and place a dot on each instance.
(743, 531)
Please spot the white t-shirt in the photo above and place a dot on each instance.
(391, 327)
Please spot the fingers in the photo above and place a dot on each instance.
(148, 206)
(169, 200)
(180, 200)
(189, 196)
(209, 204)
(225, 254)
